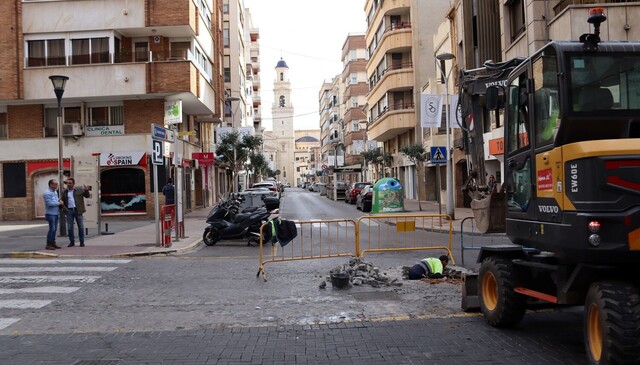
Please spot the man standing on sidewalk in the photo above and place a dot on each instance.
(73, 199)
(52, 212)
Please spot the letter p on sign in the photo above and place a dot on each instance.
(156, 155)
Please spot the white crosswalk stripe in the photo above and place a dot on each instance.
(54, 269)
(35, 283)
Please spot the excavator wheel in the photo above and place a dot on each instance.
(501, 306)
(612, 323)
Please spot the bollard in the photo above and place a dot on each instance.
(106, 230)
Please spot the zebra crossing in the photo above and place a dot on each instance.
(22, 279)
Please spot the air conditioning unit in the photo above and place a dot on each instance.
(71, 129)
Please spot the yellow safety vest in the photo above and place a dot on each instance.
(434, 264)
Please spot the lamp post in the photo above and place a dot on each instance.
(442, 58)
(59, 83)
(231, 99)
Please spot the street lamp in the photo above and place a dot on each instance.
(59, 83)
(230, 100)
(442, 58)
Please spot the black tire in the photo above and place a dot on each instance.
(501, 306)
(612, 323)
(210, 237)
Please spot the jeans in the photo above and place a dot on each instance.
(71, 215)
(53, 227)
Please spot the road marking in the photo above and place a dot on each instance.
(6, 322)
(55, 269)
(23, 304)
(41, 290)
(370, 222)
(62, 261)
(45, 279)
(15, 227)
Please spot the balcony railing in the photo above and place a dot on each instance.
(393, 66)
(109, 58)
(394, 107)
(565, 3)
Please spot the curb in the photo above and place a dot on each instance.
(28, 255)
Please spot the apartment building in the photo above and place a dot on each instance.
(353, 121)
(130, 63)
(331, 129)
(396, 46)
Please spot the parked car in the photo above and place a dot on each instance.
(365, 199)
(352, 192)
(271, 185)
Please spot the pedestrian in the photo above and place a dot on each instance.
(169, 192)
(52, 205)
(430, 267)
(73, 200)
(491, 183)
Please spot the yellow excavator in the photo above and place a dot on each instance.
(571, 193)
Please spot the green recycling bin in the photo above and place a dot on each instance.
(387, 196)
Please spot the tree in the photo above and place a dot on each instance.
(257, 164)
(417, 155)
(235, 149)
(371, 156)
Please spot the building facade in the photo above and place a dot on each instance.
(130, 64)
(306, 142)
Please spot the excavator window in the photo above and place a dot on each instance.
(545, 98)
(518, 114)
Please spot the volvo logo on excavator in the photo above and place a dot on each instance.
(548, 209)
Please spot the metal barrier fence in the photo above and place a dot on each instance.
(316, 239)
(476, 240)
(399, 232)
(345, 237)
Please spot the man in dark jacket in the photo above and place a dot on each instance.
(73, 201)
(169, 192)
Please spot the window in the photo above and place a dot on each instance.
(141, 50)
(69, 115)
(353, 101)
(281, 76)
(355, 126)
(122, 191)
(180, 50)
(518, 114)
(226, 40)
(89, 51)
(545, 96)
(516, 17)
(49, 52)
(3, 126)
(353, 55)
(353, 79)
(105, 115)
(227, 69)
(225, 8)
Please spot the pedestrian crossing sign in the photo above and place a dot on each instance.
(438, 155)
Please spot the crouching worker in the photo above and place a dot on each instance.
(430, 267)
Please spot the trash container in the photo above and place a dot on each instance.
(387, 196)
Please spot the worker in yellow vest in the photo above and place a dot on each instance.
(430, 267)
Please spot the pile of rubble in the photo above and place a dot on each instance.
(361, 273)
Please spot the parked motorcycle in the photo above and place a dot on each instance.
(224, 222)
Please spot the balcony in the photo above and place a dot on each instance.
(126, 80)
(396, 40)
(396, 119)
(395, 7)
(395, 78)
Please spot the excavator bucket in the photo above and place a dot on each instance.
(489, 212)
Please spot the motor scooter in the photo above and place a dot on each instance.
(243, 225)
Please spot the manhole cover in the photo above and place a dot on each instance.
(97, 362)
(376, 295)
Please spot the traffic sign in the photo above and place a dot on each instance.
(156, 153)
(438, 155)
(162, 134)
(324, 167)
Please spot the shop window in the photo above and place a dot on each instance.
(14, 180)
(123, 191)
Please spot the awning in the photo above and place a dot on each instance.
(350, 168)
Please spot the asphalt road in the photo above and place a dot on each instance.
(208, 307)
